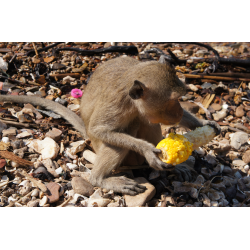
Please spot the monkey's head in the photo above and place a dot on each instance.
(155, 93)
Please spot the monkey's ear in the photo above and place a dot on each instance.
(136, 91)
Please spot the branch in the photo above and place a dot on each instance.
(32, 52)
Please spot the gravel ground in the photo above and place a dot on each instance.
(45, 161)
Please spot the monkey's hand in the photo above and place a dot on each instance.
(154, 161)
(213, 124)
(182, 173)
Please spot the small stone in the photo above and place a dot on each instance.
(82, 187)
(191, 107)
(2, 163)
(8, 132)
(76, 147)
(33, 203)
(238, 139)
(210, 159)
(71, 166)
(74, 107)
(49, 59)
(24, 134)
(56, 66)
(89, 156)
(43, 201)
(193, 87)
(142, 198)
(77, 70)
(55, 134)
(35, 60)
(47, 147)
(61, 101)
(35, 193)
(216, 106)
(68, 79)
(54, 192)
(51, 167)
(220, 115)
(59, 170)
(240, 111)
(206, 85)
(246, 157)
(238, 163)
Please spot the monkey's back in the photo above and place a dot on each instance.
(104, 85)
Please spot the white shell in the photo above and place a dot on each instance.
(24, 183)
(5, 139)
(43, 201)
(10, 169)
(59, 170)
(35, 193)
(17, 180)
(71, 166)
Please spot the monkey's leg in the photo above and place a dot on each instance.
(109, 158)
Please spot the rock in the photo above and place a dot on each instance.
(82, 187)
(216, 106)
(54, 134)
(8, 132)
(238, 163)
(59, 170)
(142, 198)
(3, 126)
(43, 201)
(240, 111)
(51, 167)
(61, 101)
(238, 139)
(242, 49)
(206, 85)
(76, 147)
(220, 115)
(71, 166)
(74, 107)
(191, 107)
(54, 192)
(224, 146)
(246, 157)
(2, 163)
(35, 60)
(33, 203)
(210, 159)
(193, 87)
(77, 70)
(49, 59)
(56, 66)
(47, 147)
(24, 134)
(68, 79)
(89, 156)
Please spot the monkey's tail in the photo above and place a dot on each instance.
(66, 113)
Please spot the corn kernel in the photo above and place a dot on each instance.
(177, 148)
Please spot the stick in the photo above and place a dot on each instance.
(12, 157)
(38, 184)
(65, 202)
(219, 78)
(32, 52)
(34, 45)
(121, 49)
(16, 123)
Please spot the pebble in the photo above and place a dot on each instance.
(35, 193)
(54, 192)
(35, 60)
(59, 170)
(82, 187)
(56, 66)
(193, 87)
(5, 139)
(246, 157)
(240, 111)
(220, 115)
(43, 201)
(74, 107)
(89, 156)
(54, 134)
(76, 147)
(8, 132)
(50, 166)
(33, 203)
(238, 139)
(71, 166)
(216, 106)
(2, 163)
(238, 163)
(47, 147)
(142, 198)
(24, 134)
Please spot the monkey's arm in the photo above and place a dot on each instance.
(122, 140)
(66, 113)
(191, 122)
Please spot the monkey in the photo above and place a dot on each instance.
(121, 110)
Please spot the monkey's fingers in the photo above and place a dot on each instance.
(156, 150)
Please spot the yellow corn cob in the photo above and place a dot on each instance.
(177, 148)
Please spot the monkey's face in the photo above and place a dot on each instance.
(169, 114)
(159, 105)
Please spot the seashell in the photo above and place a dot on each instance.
(35, 193)
(10, 169)
(4, 178)
(98, 202)
(43, 201)
(69, 193)
(17, 180)
(25, 183)
(14, 164)
(59, 170)
(71, 166)
(5, 139)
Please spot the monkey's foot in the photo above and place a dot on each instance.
(122, 185)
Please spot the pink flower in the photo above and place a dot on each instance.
(76, 93)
